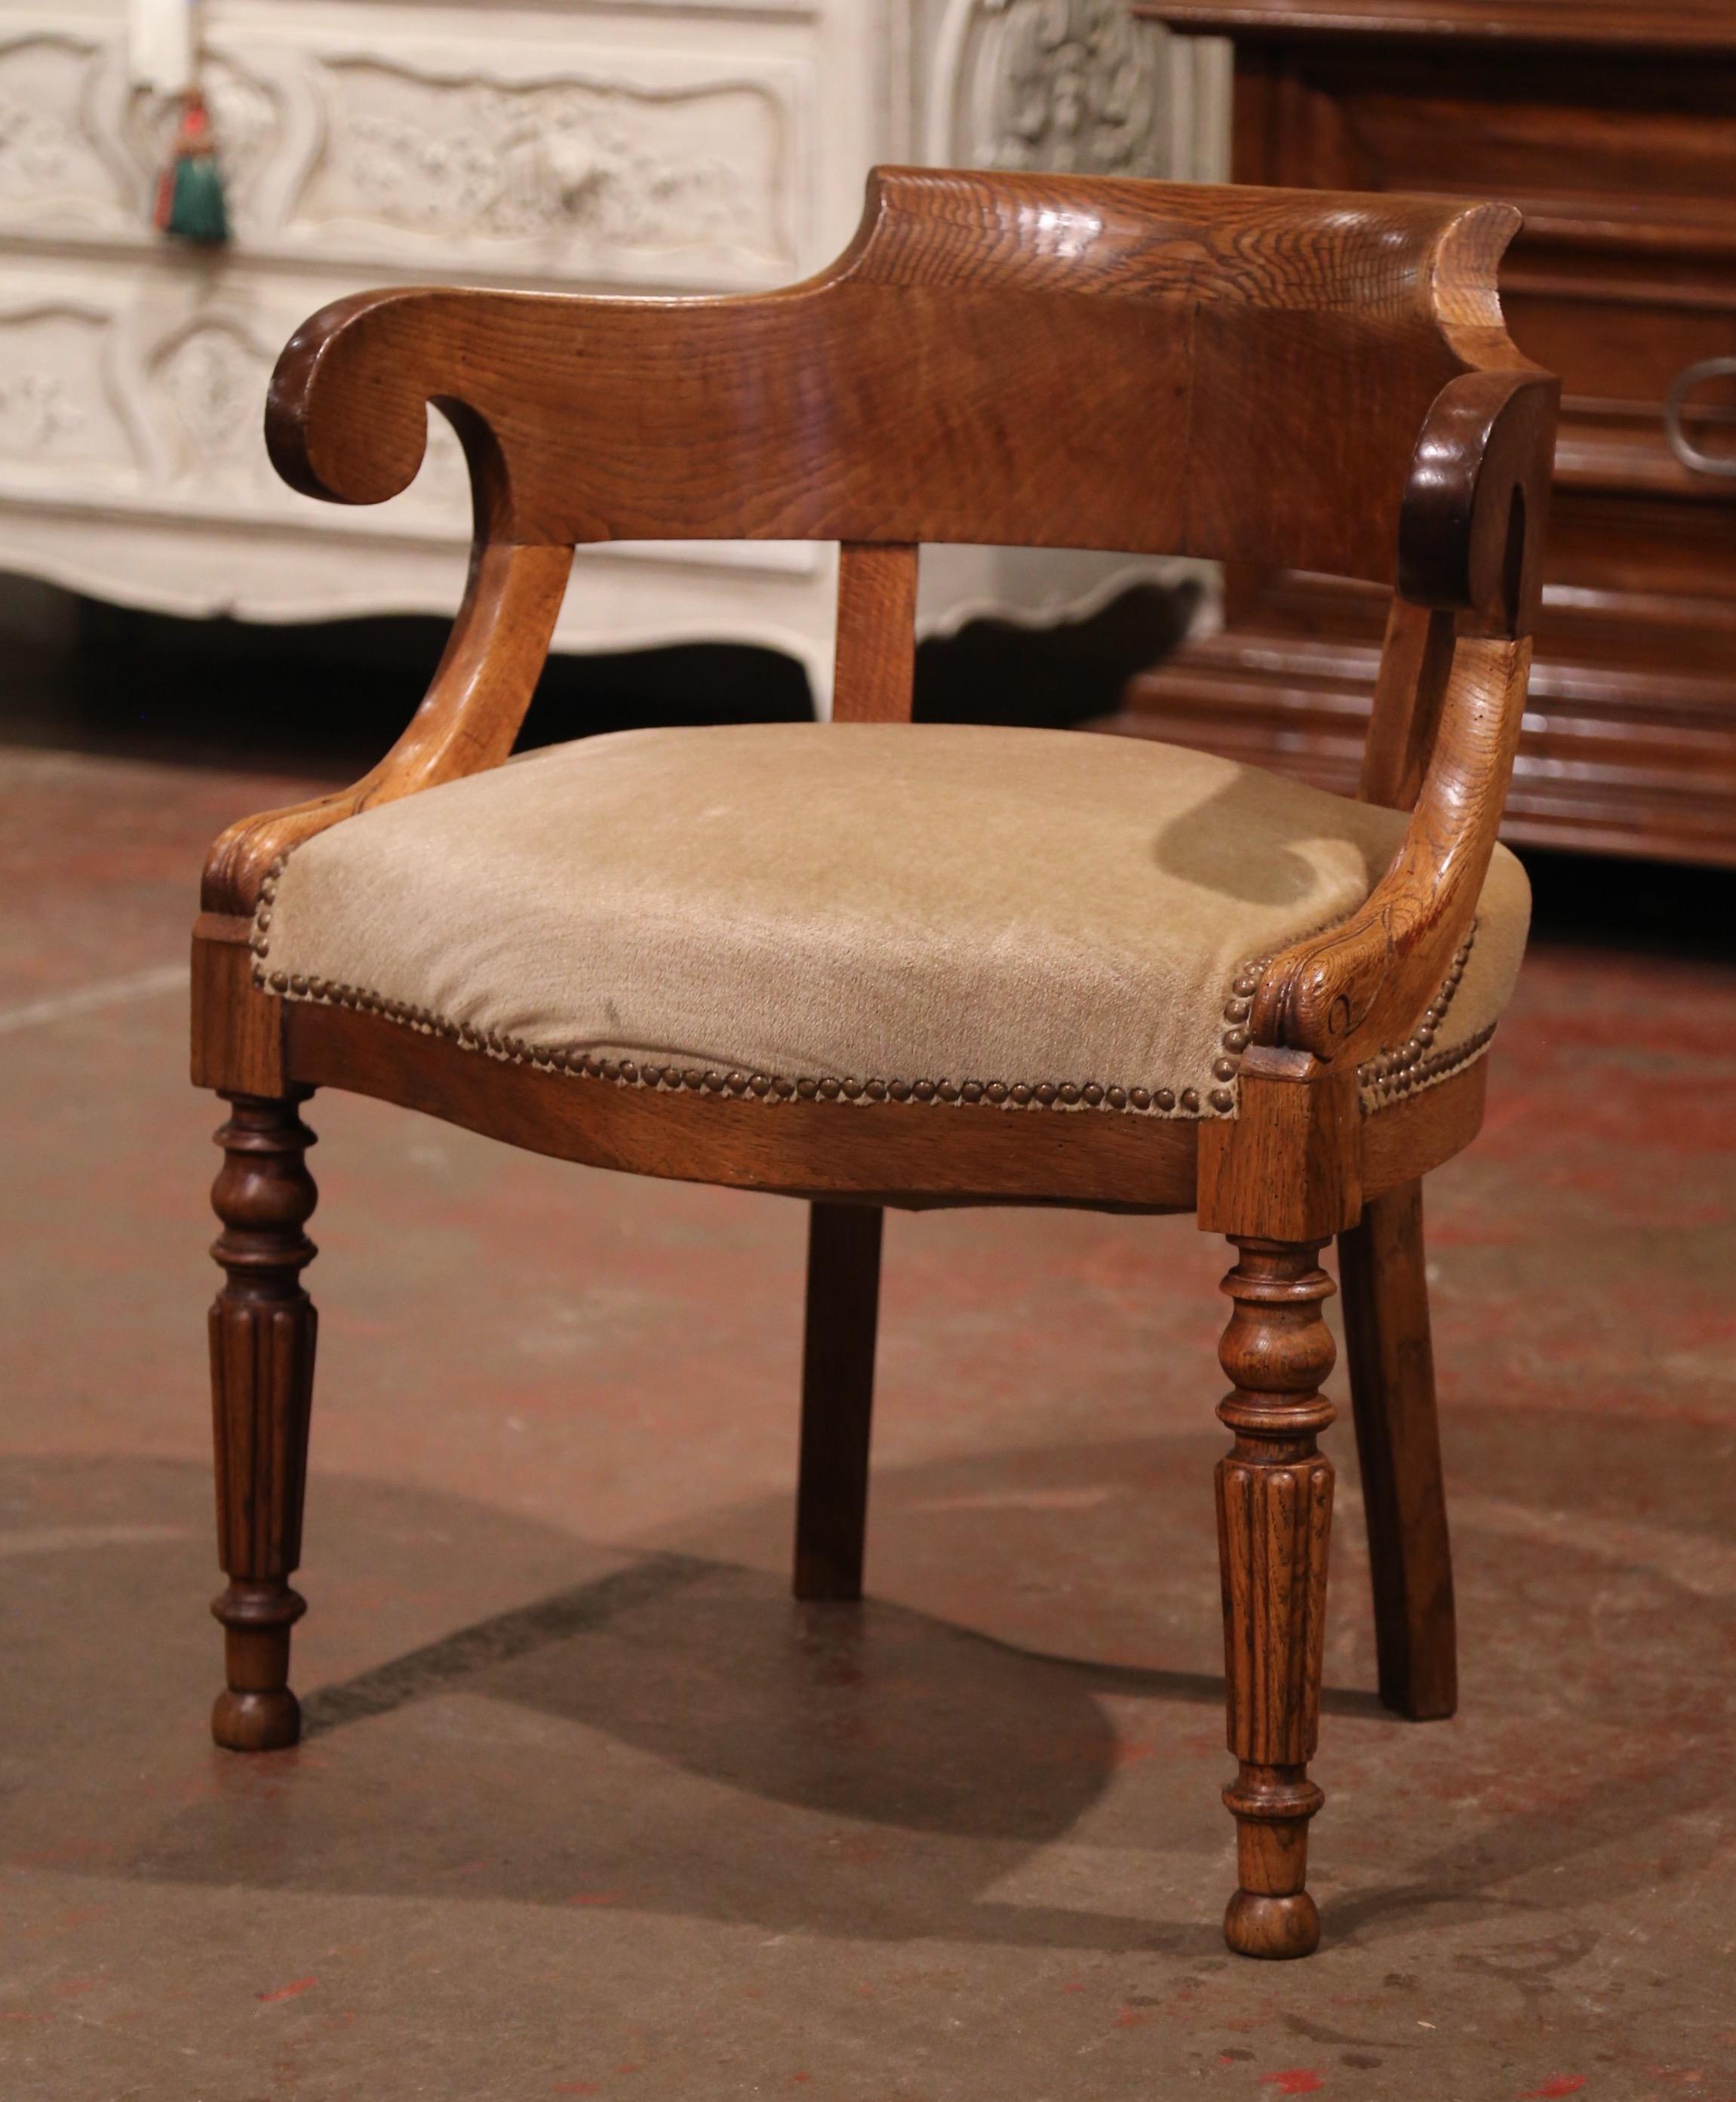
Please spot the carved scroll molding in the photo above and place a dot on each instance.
(1079, 85)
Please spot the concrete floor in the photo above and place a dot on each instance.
(588, 1807)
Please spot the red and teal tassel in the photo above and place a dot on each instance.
(189, 197)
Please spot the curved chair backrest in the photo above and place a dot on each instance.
(1270, 376)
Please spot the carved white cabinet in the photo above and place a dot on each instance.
(644, 145)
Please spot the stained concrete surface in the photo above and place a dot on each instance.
(587, 1807)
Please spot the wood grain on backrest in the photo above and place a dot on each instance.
(1037, 360)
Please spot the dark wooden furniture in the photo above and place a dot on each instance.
(1317, 380)
(1609, 124)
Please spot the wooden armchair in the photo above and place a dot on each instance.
(871, 964)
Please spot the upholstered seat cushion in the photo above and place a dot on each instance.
(941, 910)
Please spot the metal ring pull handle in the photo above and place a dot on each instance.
(1690, 455)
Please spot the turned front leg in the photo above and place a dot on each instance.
(1274, 1495)
(262, 1329)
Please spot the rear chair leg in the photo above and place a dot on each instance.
(843, 1298)
(1398, 1440)
(262, 1327)
(1274, 1523)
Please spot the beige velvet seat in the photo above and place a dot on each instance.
(861, 909)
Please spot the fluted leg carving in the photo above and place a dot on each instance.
(1275, 1490)
(262, 1327)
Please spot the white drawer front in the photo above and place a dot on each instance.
(663, 147)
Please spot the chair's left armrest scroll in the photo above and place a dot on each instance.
(332, 401)
(1470, 553)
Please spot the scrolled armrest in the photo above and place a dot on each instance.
(1471, 526)
(1471, 531)
(1343, 994)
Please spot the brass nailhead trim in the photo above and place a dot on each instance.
(1424, 1070)
(1396, 1073)
(1387, 1078)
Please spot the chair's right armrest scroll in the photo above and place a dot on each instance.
(1470, 552)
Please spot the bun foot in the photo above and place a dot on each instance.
(256, 1722)
(1274, 1928)
(257, 1712)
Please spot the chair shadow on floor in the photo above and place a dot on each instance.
(672, 1734)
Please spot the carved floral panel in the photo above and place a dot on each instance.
(211, 379)
(58, 411)
(1079, 85)
(54, 173)
(81, 149)
(573, 169)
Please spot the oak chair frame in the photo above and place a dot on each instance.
(1322, 380)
